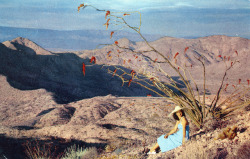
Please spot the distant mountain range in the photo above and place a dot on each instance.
(57, 40)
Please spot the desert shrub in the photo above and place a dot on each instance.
(38, 150)
(183, 92)
(75, 152)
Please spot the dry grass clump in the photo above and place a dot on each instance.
(36, 150)
(75, 152)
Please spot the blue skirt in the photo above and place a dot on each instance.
(173, 141)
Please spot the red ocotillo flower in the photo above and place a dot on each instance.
(125, 14)
(93, 59)
(132, 73)
(116, 42)
(239, 81)
(79, 7)
(186, 49)
(136, 57)
(228, 58)
(155, 60)
(219, 56)
(114, 72)
(225, 57)
(231, 63)
(129, 83)
(248, 81)
(191, 65)
(124, 61)
(176, 55)
(118, 51)
(111, 34)
(107, 14)
(149, 95)
(83, 68)
(129, 61)
(236, 52)
(233, 86)
(107, 24)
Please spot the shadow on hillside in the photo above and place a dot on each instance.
(62, 75)
(17, 147)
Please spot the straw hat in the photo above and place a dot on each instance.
(176, 109)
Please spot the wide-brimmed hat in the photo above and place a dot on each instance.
(176, 109)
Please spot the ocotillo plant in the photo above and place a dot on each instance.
(185, 93)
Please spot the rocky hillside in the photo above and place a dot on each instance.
(219, 51)
(29, 67)
(211, 48)
(113, 126)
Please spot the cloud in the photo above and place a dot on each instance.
(140, 4)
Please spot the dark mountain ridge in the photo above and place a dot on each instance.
(59, 73)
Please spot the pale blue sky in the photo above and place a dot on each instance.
(177, 18)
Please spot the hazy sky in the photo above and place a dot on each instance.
(177, 18)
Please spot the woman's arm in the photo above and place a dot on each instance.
(184, 124)
(173, 130)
